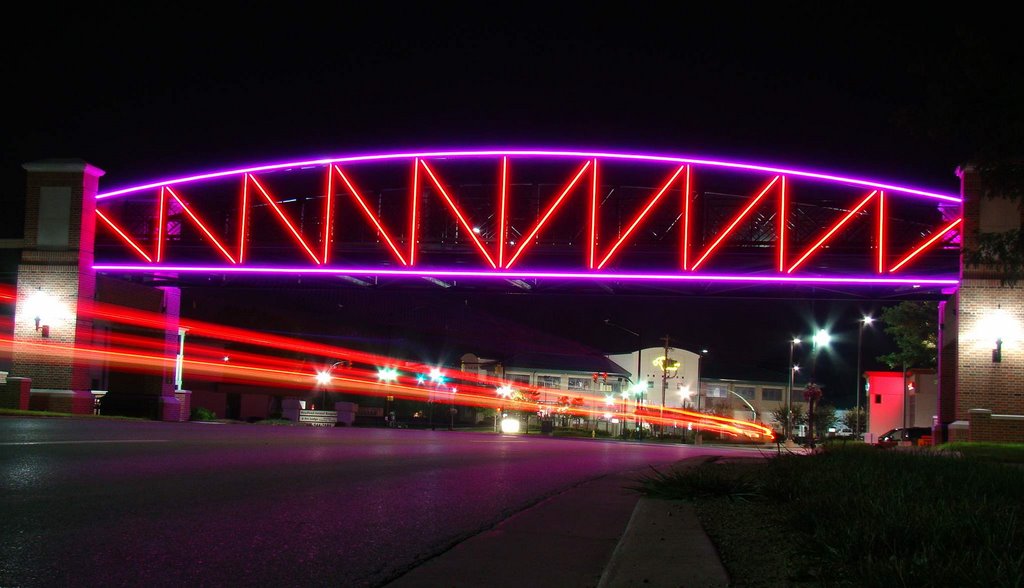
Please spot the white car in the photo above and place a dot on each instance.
(840, 431)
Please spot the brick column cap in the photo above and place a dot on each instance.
(63, 166)
(979, 411)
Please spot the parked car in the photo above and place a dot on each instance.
(840, 431)
(894, 436)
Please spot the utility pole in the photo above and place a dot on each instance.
(664, 381)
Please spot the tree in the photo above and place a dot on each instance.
(812, 394)
(796, 416)
(856, 425)
(824, 416)
(913, 325)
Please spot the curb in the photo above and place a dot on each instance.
(664, 545)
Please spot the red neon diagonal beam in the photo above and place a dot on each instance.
(201, 224)
(123, 235)
(458, 214)
(284, 219)
(640, 216)
(525, 243)
(927, 244)
(366, 210)
(735, 222)
(832, 231)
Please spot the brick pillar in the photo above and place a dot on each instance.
(55, 277)
(985, 311)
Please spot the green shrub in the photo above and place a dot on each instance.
(202, 414)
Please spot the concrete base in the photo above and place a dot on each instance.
(71, 401)
(15, 392)
(170, 409)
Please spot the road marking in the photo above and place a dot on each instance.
(86, 441)
(498, 441)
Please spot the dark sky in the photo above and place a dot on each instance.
(904, 95)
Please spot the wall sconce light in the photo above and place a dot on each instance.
(997, 353)
(43, 330)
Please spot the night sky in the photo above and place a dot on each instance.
(852, 88)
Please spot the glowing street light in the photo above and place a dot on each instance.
(867, 320)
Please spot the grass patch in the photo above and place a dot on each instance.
(1000, 452)
(861, 516)
(47, 413)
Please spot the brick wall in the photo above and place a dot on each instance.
(986, 426)
(985, 310)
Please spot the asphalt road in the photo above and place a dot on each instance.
(122, 503)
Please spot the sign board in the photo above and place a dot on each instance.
(318, 418)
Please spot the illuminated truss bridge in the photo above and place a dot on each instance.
(270, 362)
(534, 218)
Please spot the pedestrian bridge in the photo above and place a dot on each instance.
(533, 217)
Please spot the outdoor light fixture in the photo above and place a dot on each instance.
(509, 425)
(997, 353)
(46, 311)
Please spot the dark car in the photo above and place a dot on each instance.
(893, 437)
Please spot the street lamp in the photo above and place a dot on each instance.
(639, 352)
(323, 379)
(789, 393)
(867, 320)
(821, 339)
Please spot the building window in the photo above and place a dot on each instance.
(523, 379)
(579, 383)
(549, 382)
(878, 399)
(714, 390)
(746, 392)
(771, 394)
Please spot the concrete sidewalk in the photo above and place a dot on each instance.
(597, 534)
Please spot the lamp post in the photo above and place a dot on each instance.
(698, 438)
(323, 378)
(867, 320)
(639, 352)
(821, 339)
(789, 393)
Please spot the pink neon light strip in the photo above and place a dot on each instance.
(366, 210)
(161, 220)
(835, 228)
(525, 243)
(735, 165)
(243, 213)
(280, 213)
(927, 244)
(735, 222)
(442, 273)
(593, 216)
(636, 221)
(458, 213)
(201, 224)
(123, 236)
(686, 220)
(413, 218)
(881, 232)
(501, 212)
(328, 213)
(782, 225)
